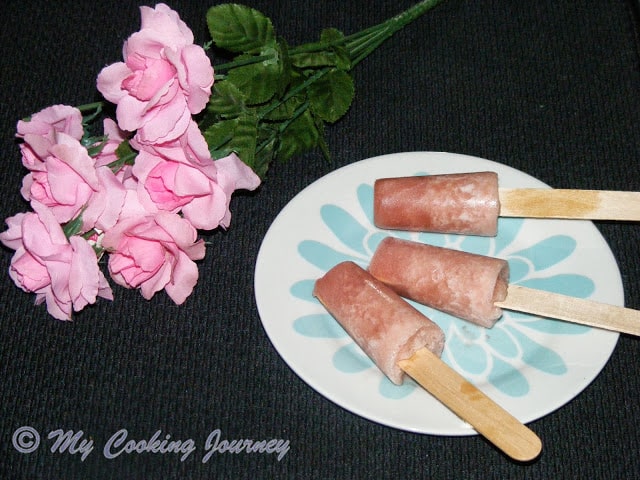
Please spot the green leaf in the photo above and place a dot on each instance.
(73, 226)
(284, 110)
(300, 136)
(330, 51)
(322, 143)
(331, 95)
(335, 36)
(314, 59)
(286, 72)
(259, 81)
(226, 100)
(264, 156)
(94, 145)
(126, 156)
(238, 135)
(331, 35)
(239, 28)
(245, 137)
(219, 137)
(124, 150)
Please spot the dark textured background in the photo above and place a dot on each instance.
(549, 87)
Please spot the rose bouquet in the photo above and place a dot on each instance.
(186, 135)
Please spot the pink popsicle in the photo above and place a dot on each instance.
(385, 326)
(400, 339)
(463, 284)
(463, 203)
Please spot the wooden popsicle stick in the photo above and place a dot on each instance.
(569, 204)
(571, 309)
(472, 405)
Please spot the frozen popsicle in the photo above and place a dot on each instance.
(460, 283)
(470, 203)
(400, 339)
(386, 327)
(476, 287)
(452, 203)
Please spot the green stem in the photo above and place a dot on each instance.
(95, 108)
(319, 74)
(362, 43)
(88, 107)
(299, 111)
(127, 159)
(359, 44)
(240, 63)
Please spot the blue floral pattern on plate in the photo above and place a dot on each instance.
(492, 355)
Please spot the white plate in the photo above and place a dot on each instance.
(529, 365)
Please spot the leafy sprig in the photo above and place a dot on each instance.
(273, 101)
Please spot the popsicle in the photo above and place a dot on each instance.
(470, 203)
(400, 339)
(475, 287)
(386, 327)
(462, 284)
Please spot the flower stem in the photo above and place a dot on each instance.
(299, 111)
(359, 45)
(362, 43)
(240, 63)
(95, 108)
(88, 107)
(294, 92)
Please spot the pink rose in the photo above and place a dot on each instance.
(234, 174)
(155, 252)
(163, 80)
(67, 182)
(181, 176)
(41, 131)
(52, 120)
(63, 273)
(31, 160)
(106, 204)
(131, 206)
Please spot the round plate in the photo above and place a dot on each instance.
(529, 365)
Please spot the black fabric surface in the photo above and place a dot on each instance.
(551, 88)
